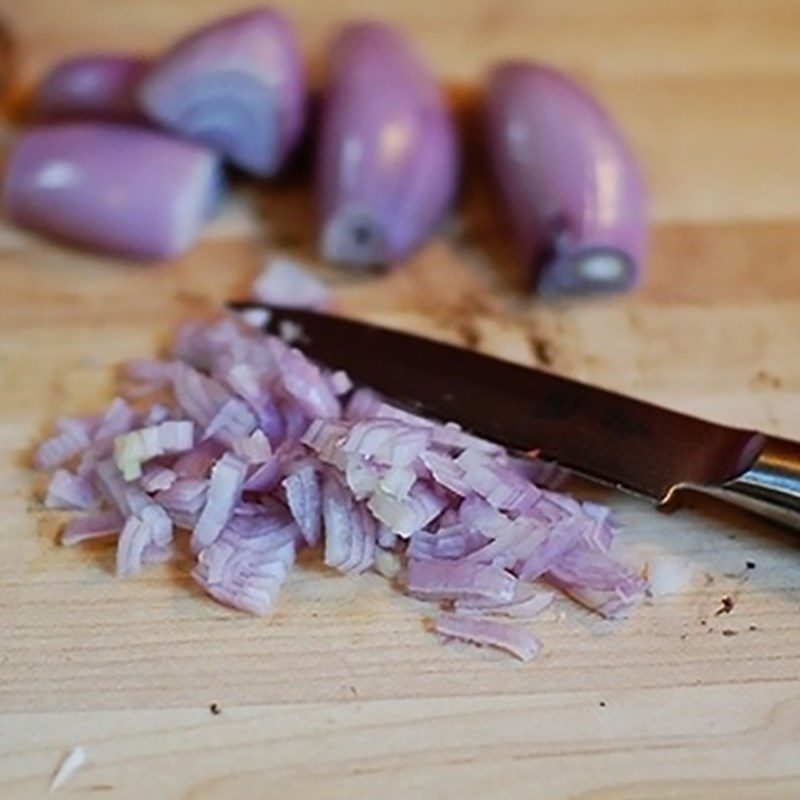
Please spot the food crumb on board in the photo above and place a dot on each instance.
(67, 767)
(726, 605)
(215, 709)
(729, 632)
(542, 350)
(744, 573)
(291, 332)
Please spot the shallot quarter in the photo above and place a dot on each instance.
(113, 188)
(102, 86)
(571, 186)
(236, 85)
(387, 154)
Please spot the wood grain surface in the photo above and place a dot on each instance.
(343, 693)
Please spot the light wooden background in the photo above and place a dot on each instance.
(343, 693)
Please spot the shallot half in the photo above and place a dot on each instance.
(125, 190)
(387, 155)
(571, 186)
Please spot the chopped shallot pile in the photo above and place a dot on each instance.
(254, 452)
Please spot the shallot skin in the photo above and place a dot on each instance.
(572, 188)
(236, 85)
(387, 155)
(113, 188)
(97, 86)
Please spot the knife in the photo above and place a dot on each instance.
(632, 445)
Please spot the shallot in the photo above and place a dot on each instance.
(125, 190)
(387, 155)
(570, 183)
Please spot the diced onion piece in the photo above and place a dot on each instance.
(69, 491)
(131, 450)
(444, 580)
(668, 574)
(224, 488)
(304, 498)
(93, 526)
(515, 639)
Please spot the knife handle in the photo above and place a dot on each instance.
(770, 486)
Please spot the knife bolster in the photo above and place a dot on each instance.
(770, 486)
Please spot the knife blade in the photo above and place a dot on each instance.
(628, 443)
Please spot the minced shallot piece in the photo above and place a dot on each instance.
(528, 602)
(668, 574)
(67, 767)
(288, 283)
(68, 491)
(511, 637)
(252, 451)
(132, 449)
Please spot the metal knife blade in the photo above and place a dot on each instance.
(628, 443)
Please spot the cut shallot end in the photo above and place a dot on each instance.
(237, 86)
(387, 153)
(355, 239)
(123, 190)
(591, 270)
(570, 184)
(98, 86)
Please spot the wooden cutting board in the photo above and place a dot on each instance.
(343, 693)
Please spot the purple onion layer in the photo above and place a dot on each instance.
(101, 86)
(236, 85)
(112, 188)
(572, 188)
(387, 158)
